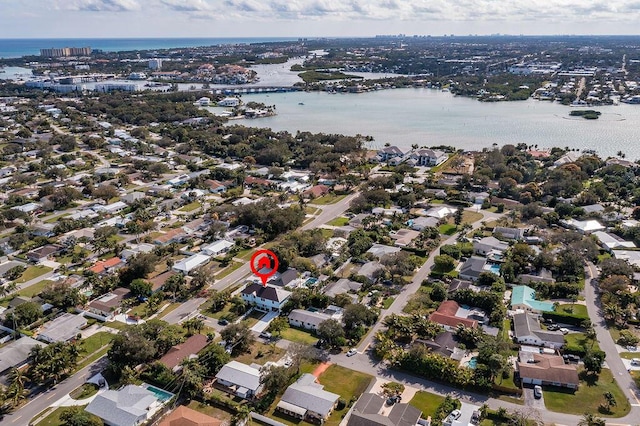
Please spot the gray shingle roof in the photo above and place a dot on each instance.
(125, 407)
(63, 328)
(308, 394)
(17, 352)
(240, 374)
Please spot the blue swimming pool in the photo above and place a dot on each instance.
(472, 363)
(495, 268)
(161, 394)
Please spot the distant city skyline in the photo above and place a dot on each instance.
(312, 18)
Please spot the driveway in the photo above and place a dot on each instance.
(530, 399)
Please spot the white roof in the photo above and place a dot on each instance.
(217, 246)
(584, 225)
(612, 241)
(190, 263)
(440, 212)
(240, 374)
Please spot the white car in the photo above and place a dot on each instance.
(455, 414)
(352, 352)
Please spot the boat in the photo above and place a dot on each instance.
(634, 100)
(579, 103)
(300, 103)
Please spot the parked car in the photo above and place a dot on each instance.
(635, 361)
(223, 321)
(455, 414)
(553, 327)
(266, 335)
(352, 352)
(564, 330)
(537, 391)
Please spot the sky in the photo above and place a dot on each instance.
(312, 18)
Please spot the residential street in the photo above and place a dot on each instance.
(37, 404)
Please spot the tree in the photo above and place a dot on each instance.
(52, 362)
(193, 325)
(213, 358)
(218, 300)
(277, 325)
(15, 272)
(77, 416)
(140, 287)
(444, 263)
(238, 336)
(457, 218)
(589, 419)
(299, 352)
(358, 315)
(131, 347)
(275, 379)
(25, 314)
(593, 362)
(16, 381)
(331, 332)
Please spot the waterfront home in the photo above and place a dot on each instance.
(428, 157)
(240, 379)
(388, 152)
(268, 299)
(307, 400)
(546, 369)
(527, 331)
(524, 298)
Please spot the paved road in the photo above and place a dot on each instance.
(329, 212)
(607, 344)
(39, 403)
(401, 299)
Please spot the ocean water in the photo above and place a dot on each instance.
(15, 48)
(428, 117)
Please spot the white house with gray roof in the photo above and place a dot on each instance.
(130, 406)
(306, 399)
(16, 354)
(240, 379)
(63, 328)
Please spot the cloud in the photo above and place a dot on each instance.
(101, 5)
(187, 5)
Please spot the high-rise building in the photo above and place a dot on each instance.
(155, 64)
(56, 52)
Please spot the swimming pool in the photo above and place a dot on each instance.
(493, 267)
(472, 363)
(161, 394)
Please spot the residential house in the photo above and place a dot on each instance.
(136, 249)
(286, 278)
(176, 235)
(446, 316)
(524, 298)
(132, 197)
(43, 230)
(509, 233)
(440, 212)
(612, 242)
(429, 157)
(368, 412)
(196, 226)
(107, 265)
(217, 248)
(107, 306)
(444, 344)
(186, 350)
(63, 328)
(486, 245)
(185, 266)
(309, 320)
(381, 250)
(185, 416)
(583, 226)
(404, 237)
(389, 152)
(160, 280)
(39, 254)
(420, 223)
(316, 191)
(215, 186)
(357, 220)
(130, 406)
(458, 284)
(472, 268)
(370, 270)
(541, 276)
(240, 379)
(343, 285)
(527, 331)
(545, 369)
(307, 400)
(16, 355)
(265, 298)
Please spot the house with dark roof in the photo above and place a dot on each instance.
(107, 306)
(446, 316)
(545, 369)
(444, 344)
(343, 285)
(185, 416)
(307, 400)
(42, 253)
(240, 379)
(389, 152)
(472, 268)
(286, 278)
(429, 157)
(160, 280)
(185, 350)
(527, 331)
(130, 406)
(368, 411)
(316, 191)
(265, 298)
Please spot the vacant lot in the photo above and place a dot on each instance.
(347, 383)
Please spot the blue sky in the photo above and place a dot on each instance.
(286, 18)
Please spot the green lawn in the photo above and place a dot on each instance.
(387, 302)
(190, 207)
(53, 419)
(54, 218)
(587, 398)
(84, 391)
(95, 342)
(577, 341)
(629, 355)
(347, 383)
(33, 290)
(253, 318)
(504, 331)
(339, 221)
(33, 272)
(426, 402)
(300, 336)
(217, 412)
(574, 309)
(229, 269)
(447, 229)
(328, 199)
(327, 233)
(261, 353)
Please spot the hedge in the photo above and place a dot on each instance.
(565, 317)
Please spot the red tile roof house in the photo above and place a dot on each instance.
(446, 316)
(103, 266)
(186, 350)
(316, 191)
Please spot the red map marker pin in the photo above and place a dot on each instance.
(264, 263)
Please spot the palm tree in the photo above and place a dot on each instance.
(591, 420)
(16, 390)
(243, 416)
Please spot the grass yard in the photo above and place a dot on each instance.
(253, 318)
(261, 353)
(33, 290)
(448, 229)
(33, 272)
(577, 341)
(574, 309)
(191, 207)
(229, 269)
(426, 402)
(84, 391)
(387, 302)
(210, 410)
(95, 342)
(471, 217)
(339, 221)
(328, 199)
(224, 313)
(297, 335)
(53, 419)
(629, 355)
(327, 233)
(347, 383)
(504, 331)
(587, 398)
